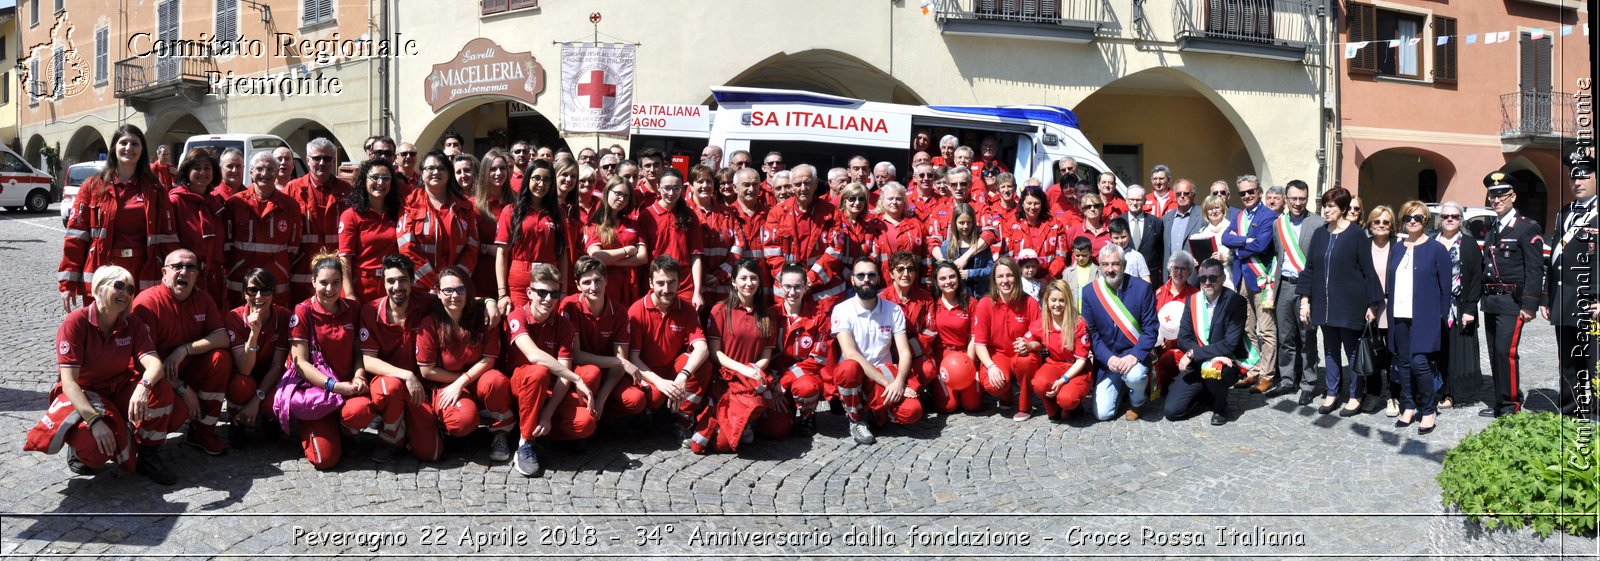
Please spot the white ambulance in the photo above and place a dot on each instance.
(22, 187)
(826, 131)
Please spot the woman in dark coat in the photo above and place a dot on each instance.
(1338, 293)
(1462, 373)
(1418, 275)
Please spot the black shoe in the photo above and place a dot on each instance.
(77, 466)
(236, 434)
(1346, 412)
(1489, 412)
(1421, 430)
(1326, 409)
(151, 466)
(1284, 388)
(1218, 419)
(1399, 424)
(804, 425)
(1306, 397)
(835, 406)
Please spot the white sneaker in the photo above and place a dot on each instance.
(1393, 408)
(862, 434)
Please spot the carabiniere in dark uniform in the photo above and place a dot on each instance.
(1570, 288)
(1512, 291)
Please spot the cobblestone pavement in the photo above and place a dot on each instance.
(943, 487)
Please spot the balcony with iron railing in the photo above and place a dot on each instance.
(142, 80)
(1275, 29)
(1537, 118)
(1072, 21)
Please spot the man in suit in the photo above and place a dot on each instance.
(1570, 289)
(1182, 221)
(1221, 314)
(1144, 233)
(1297, 340)
(1120, 313)
(1250, 238)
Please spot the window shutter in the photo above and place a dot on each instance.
(1444, 56)
(102, 50)
(495, 6)
(58, 65)
(1363, 26)
(227, 24)
(520, 4)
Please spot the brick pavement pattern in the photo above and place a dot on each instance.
(1070, 487)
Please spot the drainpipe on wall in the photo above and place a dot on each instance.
(1322, 98)
(1338, 104)
(383, 71)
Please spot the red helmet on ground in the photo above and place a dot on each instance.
(957, 371)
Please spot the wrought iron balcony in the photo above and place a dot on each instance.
(1275, 29)
(1537, 118)
(142, 80)
(1072, 21)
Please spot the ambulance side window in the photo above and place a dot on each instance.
(10, 162)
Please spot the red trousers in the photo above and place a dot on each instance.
(740, 407)
(572, 420)
(61, 424)
(803, 383)
(241, 389)
(946, 400)
(1017, 370)
(518, 277)
(698, 387)
(207, 375)
(852, 384)
(1071, 393)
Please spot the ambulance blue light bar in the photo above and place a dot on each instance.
(1044, 113)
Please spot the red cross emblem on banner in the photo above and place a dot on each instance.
(596, 89)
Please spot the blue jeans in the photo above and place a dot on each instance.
(1413, 372)
(1109, 386)
(1337, 341)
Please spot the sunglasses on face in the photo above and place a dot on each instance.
(184, 267)
(855, 199)
(1449, 217)
(865, 276)
(322, 158)
(1204, 279)
(383, 153)
(1355, 209)
(544, 294)
(257, 290)
(122, 287)
(409, 153)
(518, 150)
(1249, 192)
(1092, 207)
(775, 163)
(1381, 222)
(1414, 218)
(1183, 193)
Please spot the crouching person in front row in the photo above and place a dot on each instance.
(553, 401)
(868, 329)
(664, 337)
(748, 401)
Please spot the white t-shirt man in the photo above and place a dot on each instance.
(873, 330)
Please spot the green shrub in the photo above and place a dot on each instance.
(1535, 469)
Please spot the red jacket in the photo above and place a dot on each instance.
(90, 230)
(796, 234)
(320, 206)
(262, 233)
(435, 239)
(723, 240)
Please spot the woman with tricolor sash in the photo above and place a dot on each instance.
(1338, 291)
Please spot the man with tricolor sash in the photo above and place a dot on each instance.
(1250, 238)
(1211, 336)
(1120, 312)
(1297, 340)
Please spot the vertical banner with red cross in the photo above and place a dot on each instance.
(596, 87)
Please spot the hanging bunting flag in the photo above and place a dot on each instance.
(1394, 43)
(1351, 49)
(1537, 34)
(1490, 38)
(596, 87)
(1566, 30)
(1505, 37)
(1442, 40)
(1473, 38)
(1413, 41)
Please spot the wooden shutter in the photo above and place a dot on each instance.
(520, 4)
(1444, 56)
(494, 6)
(1362, 25)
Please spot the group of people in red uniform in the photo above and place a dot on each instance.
(545, 295)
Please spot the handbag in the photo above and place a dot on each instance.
(296, 398)
(1367, 349)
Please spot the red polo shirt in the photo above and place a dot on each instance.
(740, 333)
(101, 360)
(173, 323)
(434, 350)
(997, 324)
(598, 330)
(334, 332)
(537, 242)
(952, 326)
(274, 329)
(394, 343)
(554, 335)
(1051, 338)
(661, 233)
(365, 238)
(661, 335)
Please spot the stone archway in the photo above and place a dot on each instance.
(825, 71)
(86, 145)
(1393, 176)
(174, 129)
(1214, 143)
(490, 121)
(299, 131)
